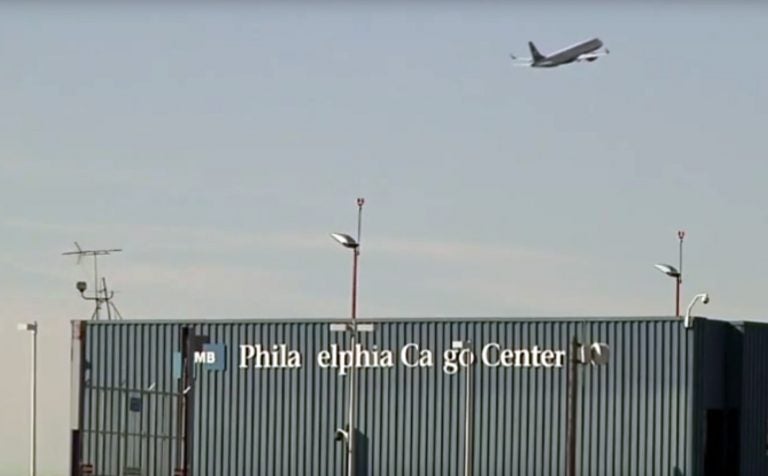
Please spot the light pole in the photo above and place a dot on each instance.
(349, 242)
(676, 273)
(32, 328)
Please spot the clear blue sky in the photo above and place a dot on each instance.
(218, 145)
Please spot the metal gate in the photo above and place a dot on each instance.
(130, 432)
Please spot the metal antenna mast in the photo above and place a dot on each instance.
(101, 294)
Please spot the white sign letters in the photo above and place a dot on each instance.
(412, 356)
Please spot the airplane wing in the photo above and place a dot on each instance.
(592, 56)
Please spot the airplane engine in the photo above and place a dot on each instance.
(591, 58)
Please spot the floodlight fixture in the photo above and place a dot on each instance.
(27, 326)
(81, 286)
(704, 297)
(341, 435)
(673, 272)
(345, 240)
(596, 353)
(668, 269)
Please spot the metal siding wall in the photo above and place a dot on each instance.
(754, 407)
(634, 414)
(717, 379)
(636, 411)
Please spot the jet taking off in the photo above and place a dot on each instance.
(584, 51)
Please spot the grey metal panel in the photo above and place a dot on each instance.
(754, 406)
(636, 411)
(708, 382)
(635, 414)
(717, 394)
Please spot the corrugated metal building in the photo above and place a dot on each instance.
(434, 397)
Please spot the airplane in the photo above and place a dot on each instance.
(583, 51)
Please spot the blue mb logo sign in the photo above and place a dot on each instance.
(209, 357)
(212, 357)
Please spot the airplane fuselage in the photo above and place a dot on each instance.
(568, 54)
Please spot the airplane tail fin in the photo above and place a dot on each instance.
(535, 52)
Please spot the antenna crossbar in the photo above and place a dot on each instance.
(101, 294)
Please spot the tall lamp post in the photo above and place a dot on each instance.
(32, 328)
(354, 244)
(676, 273)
